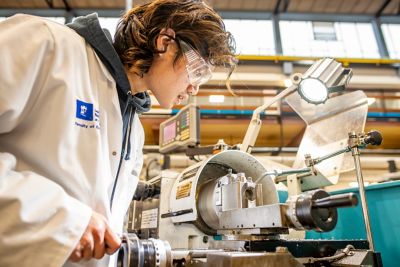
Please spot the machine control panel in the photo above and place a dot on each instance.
(181, 130)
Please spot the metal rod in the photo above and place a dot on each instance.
(356, 155)
(280, 173)
(336, 153)
(192, 253)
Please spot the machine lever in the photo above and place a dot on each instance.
(335, 201)
(176, 213)
(373, 138)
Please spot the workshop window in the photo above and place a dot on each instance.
(324, 31)
(110, 24)
(60, 20)
(306, 38)
(391, 33)
(253, 37)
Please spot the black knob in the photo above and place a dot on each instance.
(374, 138)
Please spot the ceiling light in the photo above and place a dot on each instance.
(216, 98)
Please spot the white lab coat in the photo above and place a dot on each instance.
(55, 167)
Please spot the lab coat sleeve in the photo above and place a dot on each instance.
(39, 222)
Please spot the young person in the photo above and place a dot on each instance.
(70, 137)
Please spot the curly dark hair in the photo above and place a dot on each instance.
(193, 21)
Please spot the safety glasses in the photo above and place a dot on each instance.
(199, 71)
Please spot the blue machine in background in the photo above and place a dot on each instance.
(384, 211)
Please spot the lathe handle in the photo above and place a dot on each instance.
(336, 201)
(374, 138)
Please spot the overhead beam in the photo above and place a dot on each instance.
(49, 3)
(67, 6)
(286, 6)
(298, 16)
(277, 34)
(398, 9)
(382, 8)
(276, 8)
(115, 13)
(380, 40)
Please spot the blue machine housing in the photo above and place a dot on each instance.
(384, 211)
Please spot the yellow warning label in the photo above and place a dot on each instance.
(183, 190)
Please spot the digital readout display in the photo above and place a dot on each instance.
(170, 131)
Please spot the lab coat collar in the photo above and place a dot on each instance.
(100, 39)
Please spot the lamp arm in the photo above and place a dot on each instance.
(255, 124)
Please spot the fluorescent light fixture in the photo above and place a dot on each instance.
(216, 98)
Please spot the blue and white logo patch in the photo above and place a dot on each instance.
(84, 110)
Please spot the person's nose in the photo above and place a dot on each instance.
(192, 90)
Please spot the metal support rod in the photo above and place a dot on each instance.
(380, 39)
(192, 253)
(336, 153)
(279, 173)
(356, 155)
(277, 34)
(382, 8)
(255, 123)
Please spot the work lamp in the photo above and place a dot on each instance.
(324, 77)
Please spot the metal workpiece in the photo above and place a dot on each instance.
(336, 201)
(316, 210)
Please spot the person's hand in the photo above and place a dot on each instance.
(97, 240)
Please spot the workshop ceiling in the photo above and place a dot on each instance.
(359, 7)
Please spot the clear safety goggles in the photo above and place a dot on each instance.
(199, 71)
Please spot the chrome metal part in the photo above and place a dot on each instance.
(251, 234)
(210, 204)
(162, 252)
(353, 143)
(267, 216)
(188, 255)
(301, 213)
(204, 178)
(326, 131)
(238, 193)
(135, 252)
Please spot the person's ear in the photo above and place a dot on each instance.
(163, 40)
